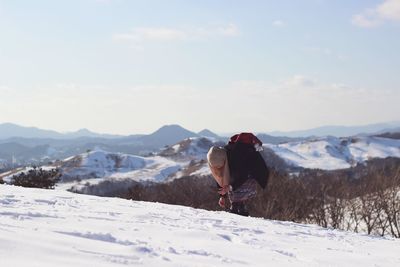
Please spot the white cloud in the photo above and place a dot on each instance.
(163, 34)
(300, 81)
(368, 19)
(228, 30)
(389, 10)
(278, 23)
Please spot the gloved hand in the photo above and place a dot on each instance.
(221, 202)
(225, 189)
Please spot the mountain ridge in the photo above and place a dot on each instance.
(340, 130)
(11, 130)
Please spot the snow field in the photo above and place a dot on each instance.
(57, 228)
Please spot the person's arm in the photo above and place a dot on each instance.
(217, 175)
(220, 181)
(223, 192)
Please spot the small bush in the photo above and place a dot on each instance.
(37, 178)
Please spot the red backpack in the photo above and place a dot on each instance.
(245, 159)
(246, 138)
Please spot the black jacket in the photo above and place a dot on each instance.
(244, 163)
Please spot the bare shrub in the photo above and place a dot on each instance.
(37, 177)
(390, 204)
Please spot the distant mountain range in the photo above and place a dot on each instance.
(26, 145)
(343, 131)
(169, 134)
(30, 145)
(9, 130)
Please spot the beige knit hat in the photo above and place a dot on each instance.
(216, 156)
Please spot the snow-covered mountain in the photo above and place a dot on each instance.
(100, 164)
(56, 228)
(95, 167)
(269, 139)
(188, 157)
(326, 153)
(331, 153)
(34, 145)
(208, 133)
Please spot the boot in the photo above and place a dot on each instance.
(239, 208)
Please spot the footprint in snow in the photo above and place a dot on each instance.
(226, 237)
(99, 237)
(285, 253)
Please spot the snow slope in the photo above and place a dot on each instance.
(331, 153)
(98, 164)
(41, 228)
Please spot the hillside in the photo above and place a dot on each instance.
(95, 167)
(57, 228)
(188, 158)
(330, 153)
(110, 172)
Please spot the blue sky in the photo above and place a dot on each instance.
(120, 66)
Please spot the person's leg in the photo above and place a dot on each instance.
(239, 197)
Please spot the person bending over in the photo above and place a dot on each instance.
(237, 168)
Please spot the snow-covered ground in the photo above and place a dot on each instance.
(41, 228)
(330, 153)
